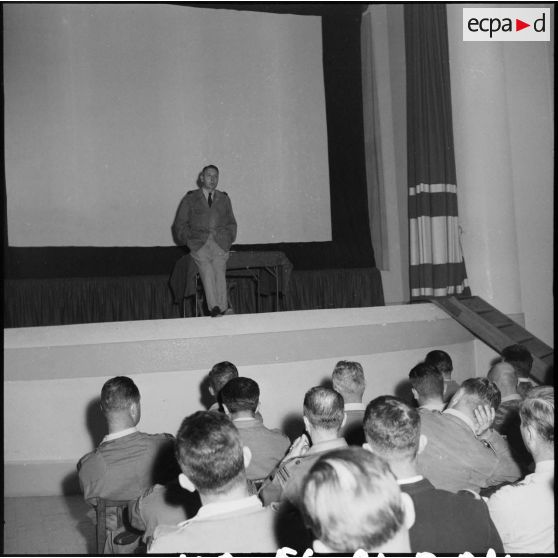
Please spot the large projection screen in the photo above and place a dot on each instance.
(111, 111)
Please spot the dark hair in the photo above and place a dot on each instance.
(324, 408)
(348, 378)
(427, 380)
(440, 360)
(220, 374)
(482, 392)
(351, 500)
(392, 427)
(118, 394)
(537, 411)
(209, 451)
(209, 167)
(240, 394)
(520, 358)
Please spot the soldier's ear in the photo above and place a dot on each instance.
(186, 483)
(423, 440)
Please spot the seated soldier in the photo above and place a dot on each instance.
(524, 512)
(463, 452)
(213, 460)
(442, 362)
(445, 522)
(351, 501)
(127, 461)
(160, 504)
(323, 417)
(218, 376)
(522, 361)
(348, 380)
(507, 421)
(240, 398)
(428, 387)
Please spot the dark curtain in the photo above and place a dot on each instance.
(437, 267)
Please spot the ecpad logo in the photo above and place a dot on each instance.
(506, 24)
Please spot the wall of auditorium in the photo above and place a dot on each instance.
(53, 375)
(502, 94)
(505, 189)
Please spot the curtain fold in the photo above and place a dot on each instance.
(58, 301)
(437, 267)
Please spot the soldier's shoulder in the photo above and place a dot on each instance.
(190, 192)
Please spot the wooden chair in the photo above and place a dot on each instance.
(126, 537)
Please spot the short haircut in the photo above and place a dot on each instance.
(503, 374)
(209, 167)
(348, 378)
(440, 360)
(427, 380)
(481, 391)
(537, 412)
(209, 451)
(391, 427)
(240, 394)
(520, 358)
(220, 374)
(324, 408)
(351, 500)
(118, 394)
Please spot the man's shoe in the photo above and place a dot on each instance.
(215, 312)
(228, 311)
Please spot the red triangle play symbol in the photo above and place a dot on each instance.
(519, 25)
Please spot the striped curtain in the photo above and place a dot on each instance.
(437, 267)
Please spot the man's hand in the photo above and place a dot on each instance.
(484, 417)
(299, 447)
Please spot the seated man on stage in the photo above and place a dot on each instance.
(205, 223)
(127, 461)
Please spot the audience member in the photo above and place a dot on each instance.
(240, 398)
(522, 360)
(445, 522)
(507, 421)
(213, 460)
(161, 504)
(127, 461)
(348, 380)
(351, 501)
(218, 376)
(463, 452)
(323, 417)
(524, 512)
(428, 387)
(442, 361)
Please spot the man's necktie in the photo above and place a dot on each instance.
(209, 199)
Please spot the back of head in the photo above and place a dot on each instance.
(348, 379)
(220, 374)
(209, 451)
(503, 374)
(351, 500)
(441, 361)
(240, 394)
(520, 358)
(428, 381)
(477, 391)
(118, 394)
(537, 412)
(392, 428)
(324, 408)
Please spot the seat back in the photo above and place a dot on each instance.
(102, 508)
